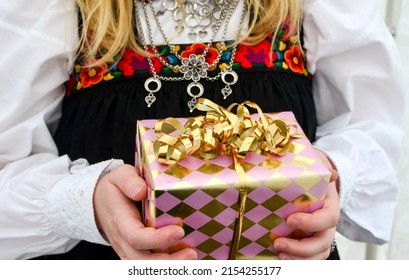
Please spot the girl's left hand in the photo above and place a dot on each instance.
(322, 222)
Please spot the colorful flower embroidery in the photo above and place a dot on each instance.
(247, 56)
(284, 55)
(92, 75)
(132, 61)
(198, 49)
(294, 59)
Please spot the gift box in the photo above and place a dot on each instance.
(229, 179)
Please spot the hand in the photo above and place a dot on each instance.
(322, 222)
(119, 219)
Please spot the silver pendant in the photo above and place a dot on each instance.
(200, 90)
(152, 85)
(229, 77)
(194, 67)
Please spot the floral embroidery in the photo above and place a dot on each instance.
(198, 49)
(132, 61)
(91, 75)
(294, 60)
(284, 55)
(260, 54)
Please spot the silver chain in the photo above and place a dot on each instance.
(199, 15)
(215, 31)
(195, 66)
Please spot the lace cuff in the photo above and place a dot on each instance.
(70, 203)
(346, 176)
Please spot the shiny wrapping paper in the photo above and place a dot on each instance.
(203, 195)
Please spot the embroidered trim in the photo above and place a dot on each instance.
(70, 202)
(286, 56)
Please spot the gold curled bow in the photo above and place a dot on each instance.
(223, 132)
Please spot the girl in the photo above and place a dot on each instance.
(67, 182)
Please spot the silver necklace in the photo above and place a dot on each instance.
(199, 16)
(194, 67)
(186, 62)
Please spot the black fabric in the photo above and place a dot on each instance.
(99, 123)
(334, 255)
(84, 251)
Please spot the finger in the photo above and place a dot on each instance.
(126, 178)
(185, 254)
(132, 253)
(144, 238)
(322, 219)
(314, 247)
(144, 241)
(334, 175)
(133, 241)
(156, 238)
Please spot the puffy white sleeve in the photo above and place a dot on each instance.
(358, 87)
(45, 200)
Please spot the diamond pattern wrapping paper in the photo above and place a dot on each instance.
(203, 195)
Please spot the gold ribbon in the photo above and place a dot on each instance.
(223, 132)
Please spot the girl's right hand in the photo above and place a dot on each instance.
(119, 220)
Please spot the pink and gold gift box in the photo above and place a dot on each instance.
(202, 195)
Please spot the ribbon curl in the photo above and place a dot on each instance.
(226, 133)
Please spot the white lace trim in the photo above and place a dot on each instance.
(346, 176)
(70, 203)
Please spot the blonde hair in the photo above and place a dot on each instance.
(107, 26)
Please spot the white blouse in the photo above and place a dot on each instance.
(46, 200)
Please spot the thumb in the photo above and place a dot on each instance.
(127, 179)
